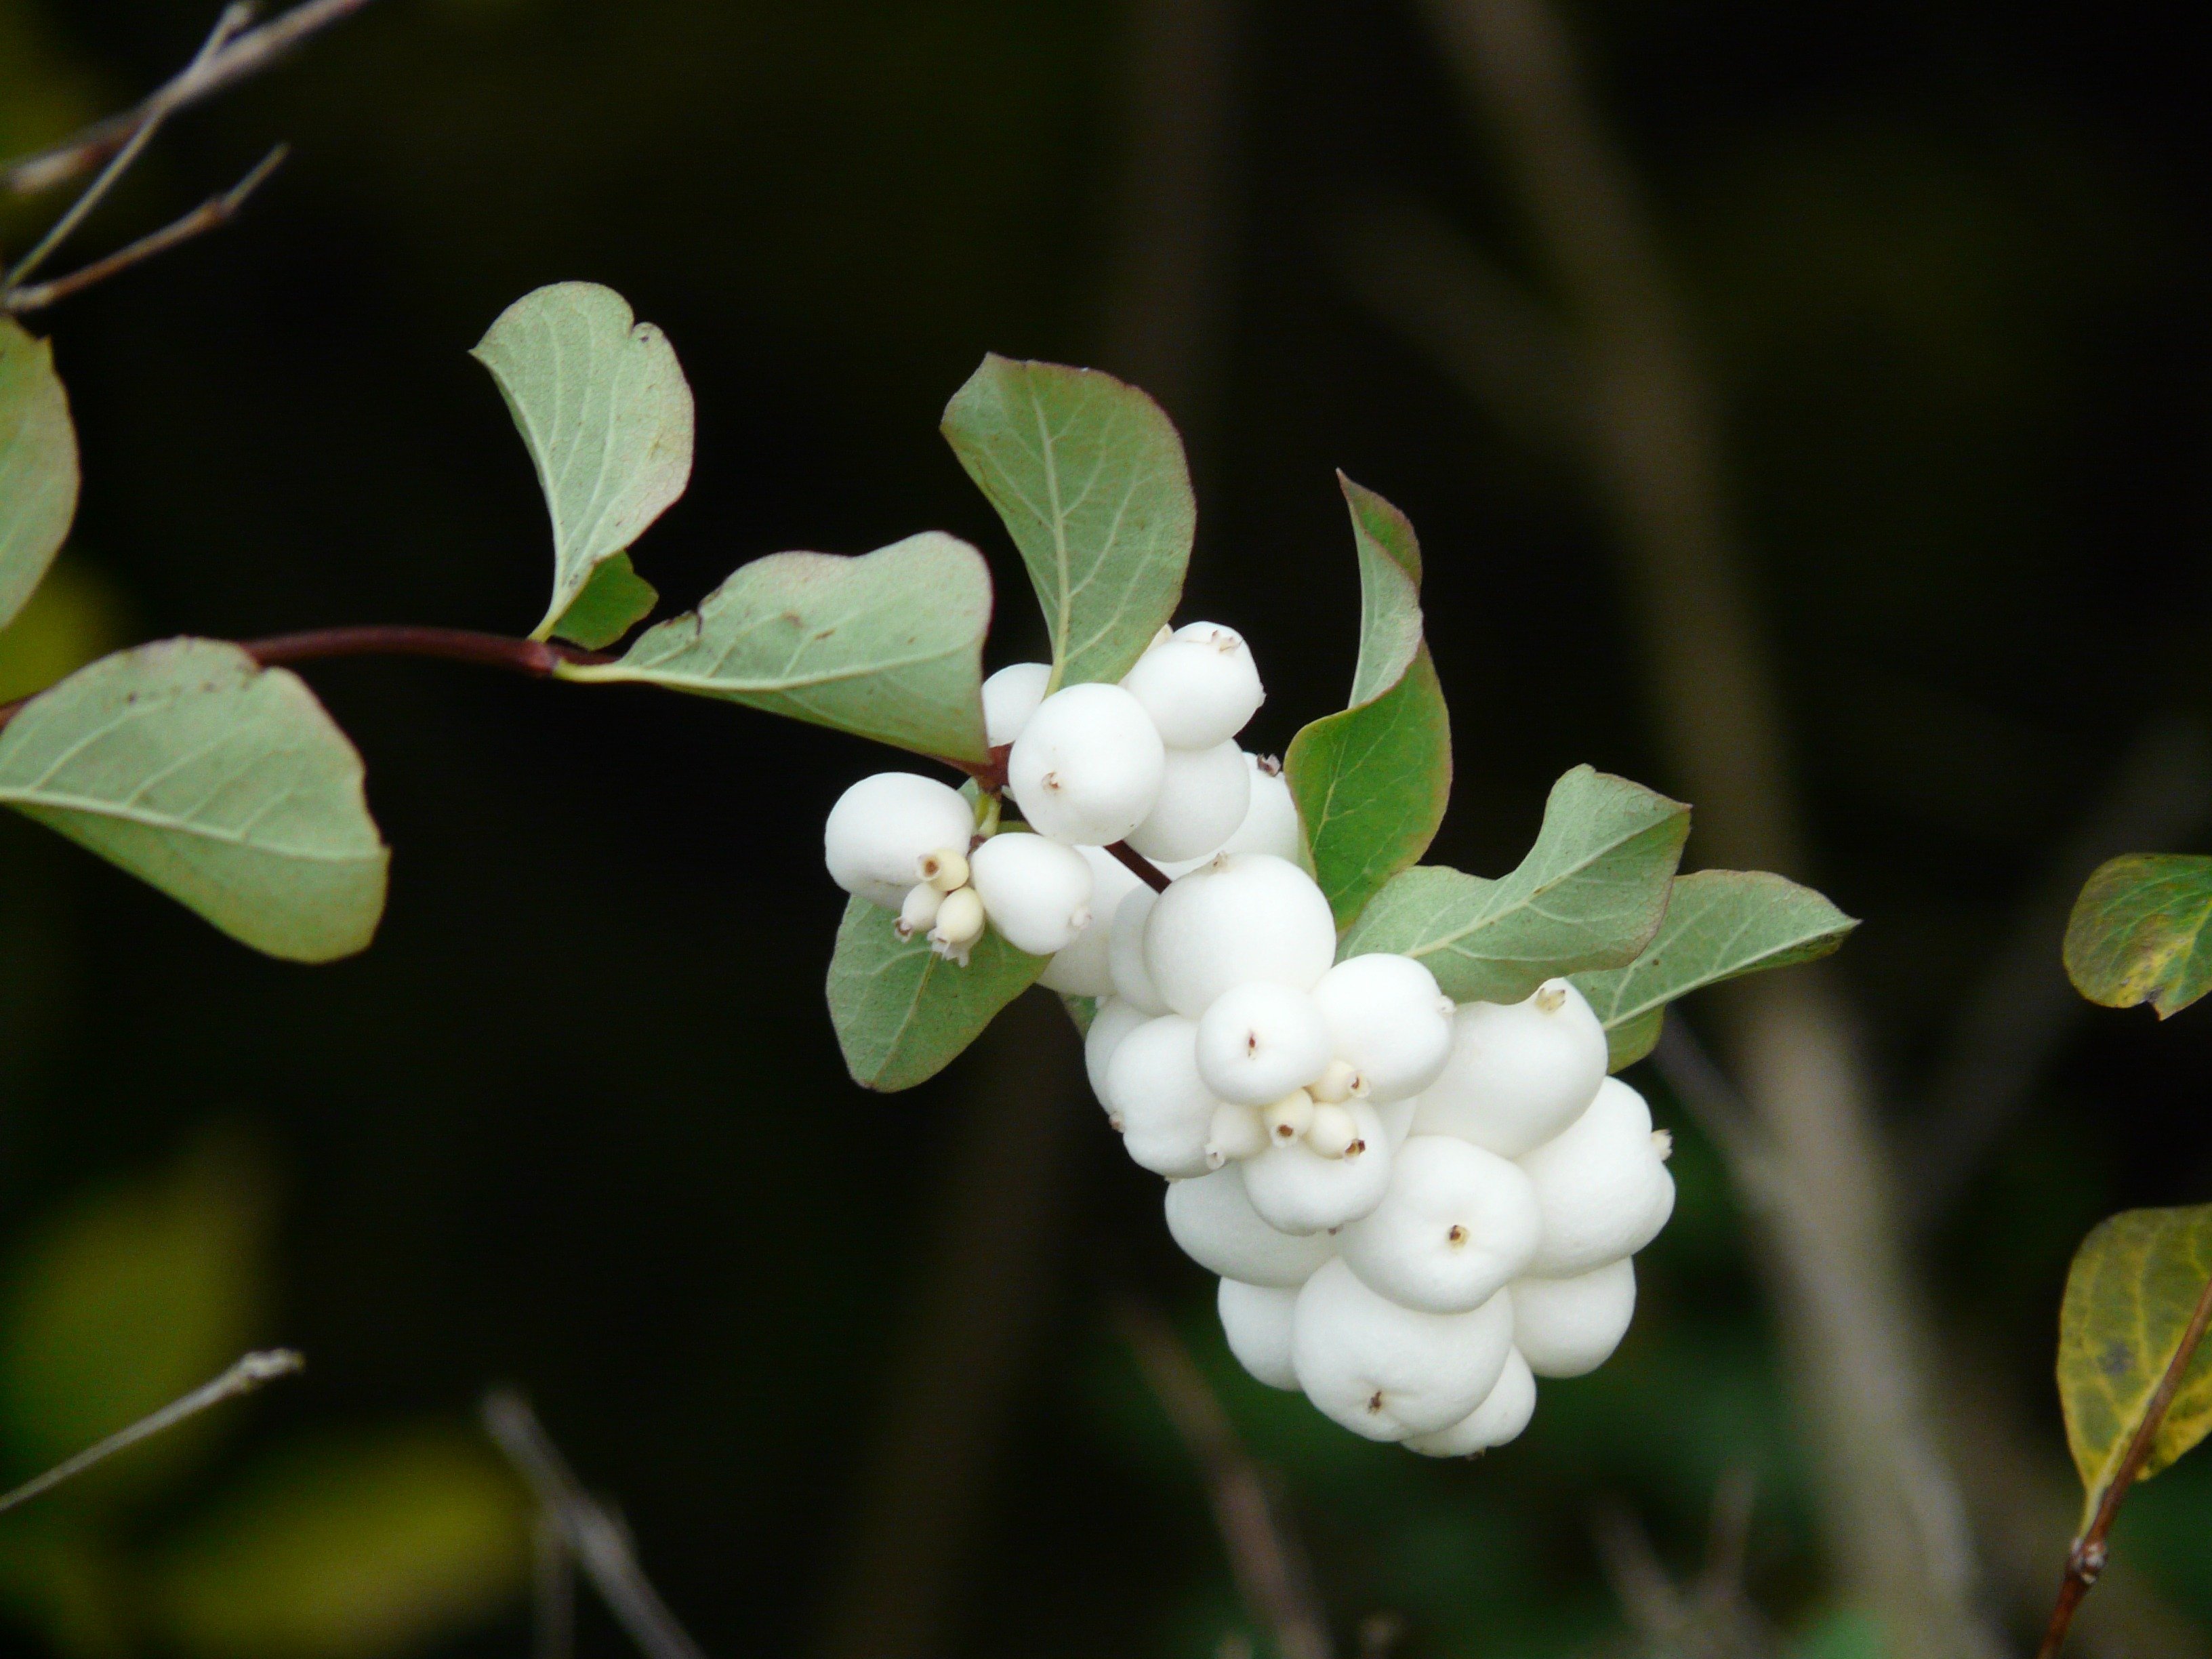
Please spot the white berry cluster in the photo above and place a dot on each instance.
(1416, 1209)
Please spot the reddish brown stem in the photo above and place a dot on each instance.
(1146, 871)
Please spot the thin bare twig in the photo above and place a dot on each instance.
(1269, 1567)
(2085, 1562)
(247, 1374)
(1140, 867)
(246, 55)
(210, 215)
(597, 1540)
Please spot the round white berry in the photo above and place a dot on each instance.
(1244, 916)
(1205, 794)
(1258, 1042)
(1087, 767)
(1035, 892)
(1153, 1085)
(1113, 1020)
(1236, 1133)
(1083, 967)
(1271, 821)
(1601, 1185)
(1256, 1319)
(1125, 952)
(1519, 1073)
(883, 826)
(1504, 1412)
(1386, 1371)
(1389, 1019)
(1455, 1223)
(1298, 1189)
(1570, 1327)
(1213, 1221)
(1009, 697)
(1200, 685)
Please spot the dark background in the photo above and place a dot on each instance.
(577, 1121)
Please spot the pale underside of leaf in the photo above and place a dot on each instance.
(1719, 924)
(38, 465)
(2133, 1285)
(220, 782)
(1389, 591)
(888, 645)
(903, 1013)
(2142, 932)
(1089, 475)
(605, 412)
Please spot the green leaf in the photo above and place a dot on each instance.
(223, 783)
(2142, 932)
(2134, 1284)
(902, 1013)
(118, 1304)
(1089, 475)
(1719, 924)
(888, 646)
(614, 601)
(1589, 893)
(38, 465)
(603, 406)
(1082, 1010)
(350, 1550)
(1372, 782)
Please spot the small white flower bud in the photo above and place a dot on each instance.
(1235, 1132)
(959, 924)
(1338, 1082)
(1334, 1131)
(883, 824)
(944, 869)
(919, 913)
(1289, 1117)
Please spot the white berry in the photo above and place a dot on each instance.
(1009, 697)
(1519, 1073)
(1125, 951)
(1205, 795)
(1244, 916)
(1504, 1412)
(1298, 1189)
(1455, 1223)
(1601, 1185)
(1087, 767)
(1153, 1085)
(1386, 1371)
(883, 826)
(1035, 892)
(1570, 1327)
(1260, 1041)
(1237, 1132)
(1083, 967)
(1257, 1320)
(1200, 686)
(959, 924)
(1113, 1020)
(1271, 821)
(1389, 1019)
(1213, 1221)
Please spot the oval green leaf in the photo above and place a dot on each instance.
(1720, 925)
(1089, 475)
(902, 1013)
(605, 412)
(1372, 782)
(888, 645)
(38, 465)
(614, 601)
(2142, 932)
(223, 783)
(1589, 893)
(2130, 1295)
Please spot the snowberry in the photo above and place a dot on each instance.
(1260, 1041)
(919, 911)
(1235, 1132)
(1244, 916)
(1601, 1185)
(1009, 697)
(1386, 1371)
(959, 924)
(883, 826)
(1037, 892)
(1333, 1132)
(1087, 767)
(1083, 967)
(1113, 1020)
(1256, 1319)
(1288, 1119)
(1295, 1188)
(1570, 1327)
(1504, 1412)
(1125, 952)
(1271, 822)
(1213, 1221)
(1205, 795)
(1386, 1017)
(1153, 1086)
(1339, 1081)
(1519, 1073)
(1200, 685)
(1455, 1223)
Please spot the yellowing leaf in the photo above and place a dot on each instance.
(2142, 932)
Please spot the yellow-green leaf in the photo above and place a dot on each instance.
(2142, 932)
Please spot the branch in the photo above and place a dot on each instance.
(1144, 869)
(247, 1374)
(2086, 1560)
(594, 1537)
